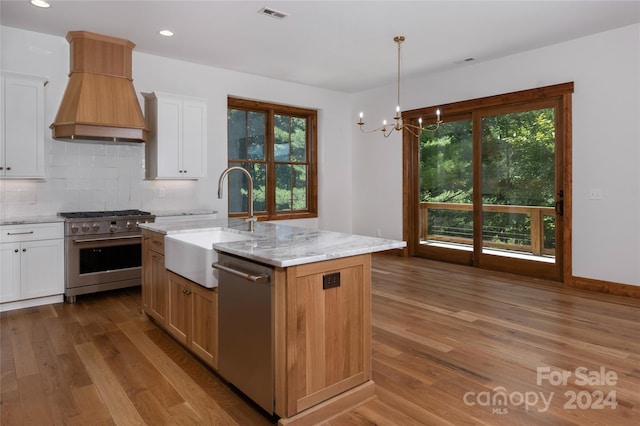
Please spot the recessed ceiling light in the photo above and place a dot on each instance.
(40, 3)
(166, 33)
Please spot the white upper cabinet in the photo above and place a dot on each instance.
(177, 148)
(22, 133)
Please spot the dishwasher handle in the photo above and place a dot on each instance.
(257, 279)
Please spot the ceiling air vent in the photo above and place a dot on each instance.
(273, 13)
(470, 59)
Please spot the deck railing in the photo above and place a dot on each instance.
(536, 215)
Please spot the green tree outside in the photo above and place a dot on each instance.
(518, 168)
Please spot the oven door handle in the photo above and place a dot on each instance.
(96, 240)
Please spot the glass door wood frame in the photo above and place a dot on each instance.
(560, 95)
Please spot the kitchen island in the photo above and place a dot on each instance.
(320, 303)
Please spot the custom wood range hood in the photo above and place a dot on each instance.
(100, 101)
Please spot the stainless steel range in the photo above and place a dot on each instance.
(103, 250)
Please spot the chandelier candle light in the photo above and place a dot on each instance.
(400, 125)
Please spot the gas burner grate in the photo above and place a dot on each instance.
(97, 214)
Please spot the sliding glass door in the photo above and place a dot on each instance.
(489, 187)
(518, 188)
(445, 224)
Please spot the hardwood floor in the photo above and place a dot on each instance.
(451, 345)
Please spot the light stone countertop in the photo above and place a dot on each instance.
(179, 213)
(281, 245)
(31, 219)
(178, 225)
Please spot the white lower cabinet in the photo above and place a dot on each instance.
(31, 265)
(10, 272)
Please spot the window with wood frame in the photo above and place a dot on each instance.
(277, 144)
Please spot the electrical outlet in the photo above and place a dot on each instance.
(331, 280)
(378, 233)
(595, 194)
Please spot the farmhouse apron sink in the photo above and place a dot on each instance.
(191, 254)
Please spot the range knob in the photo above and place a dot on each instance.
(113, 227)
(85, 227)
(96, 227)
(129, 225)
(74, 229)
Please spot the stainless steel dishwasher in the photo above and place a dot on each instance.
(245, 328)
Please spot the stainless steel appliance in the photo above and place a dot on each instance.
(103, 250)
(245, 328)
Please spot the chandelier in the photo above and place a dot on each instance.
(399, 124)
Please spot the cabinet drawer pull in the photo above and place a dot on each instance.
(20, 233)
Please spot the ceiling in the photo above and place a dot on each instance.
(340, 45)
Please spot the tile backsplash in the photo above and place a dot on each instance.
(93, 176)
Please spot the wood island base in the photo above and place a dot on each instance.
(321, 322)
(333, 407)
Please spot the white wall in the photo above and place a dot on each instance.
(360, 177)
(606, 142)
(103, 176)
